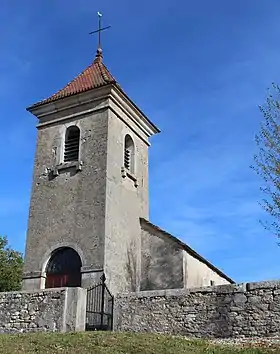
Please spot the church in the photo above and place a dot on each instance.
(89, 208)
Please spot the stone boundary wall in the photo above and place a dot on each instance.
(48, 310)
(244, 310)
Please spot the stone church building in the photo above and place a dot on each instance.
(89, 209)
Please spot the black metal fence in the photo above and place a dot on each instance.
(100, 305)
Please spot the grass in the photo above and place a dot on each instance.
(114, 343)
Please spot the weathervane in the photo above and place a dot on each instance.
(99, 29)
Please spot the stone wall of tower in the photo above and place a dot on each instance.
(125, 203)
(69, 209)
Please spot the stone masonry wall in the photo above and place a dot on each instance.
(245, 310)
(161, 261)
(42, 310)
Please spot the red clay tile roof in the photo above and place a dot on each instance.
(95, 75)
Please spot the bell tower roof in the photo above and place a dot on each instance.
(94, 76)
(93, 83)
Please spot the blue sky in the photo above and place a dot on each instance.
(198, 69)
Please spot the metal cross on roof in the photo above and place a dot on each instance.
(99, 29)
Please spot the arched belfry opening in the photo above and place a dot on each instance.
(129, 152)
(72, 144)
(64, 269)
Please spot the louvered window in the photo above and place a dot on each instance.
(127, 159)
(72, 144)
(129, 154)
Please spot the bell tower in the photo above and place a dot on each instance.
(90, 185)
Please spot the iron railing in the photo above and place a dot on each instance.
(99, 309)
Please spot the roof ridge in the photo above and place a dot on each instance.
(103, 72)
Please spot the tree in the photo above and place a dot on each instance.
(11, 263)
(267, 161)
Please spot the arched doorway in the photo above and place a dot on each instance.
(64, 269)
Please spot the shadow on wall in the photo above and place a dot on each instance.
(146, 282)
(162, 268)
(131, 268)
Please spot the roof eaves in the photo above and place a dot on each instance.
(98, 67)
(57, 97)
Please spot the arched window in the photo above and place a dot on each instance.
(64, 269)
(72, 144)
(129, 151)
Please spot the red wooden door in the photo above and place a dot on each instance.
(63, 280)
(56, 280)
(64, 269)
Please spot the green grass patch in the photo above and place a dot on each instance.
(114, 343)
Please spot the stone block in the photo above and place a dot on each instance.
(264, 285)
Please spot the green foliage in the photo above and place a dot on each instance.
(267, 161)
(11, 263)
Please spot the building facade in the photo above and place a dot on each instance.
(89, 206)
